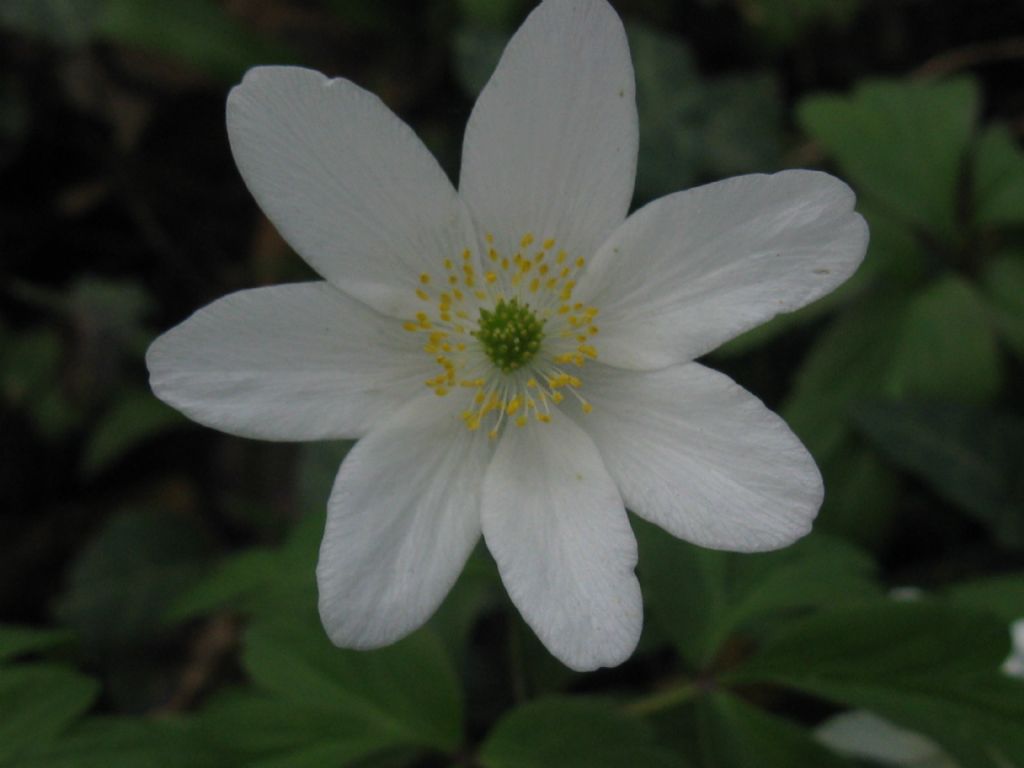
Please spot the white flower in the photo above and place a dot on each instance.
(515, 355)
(1014, 664)
(858, 733)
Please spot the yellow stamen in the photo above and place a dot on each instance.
(542, 281)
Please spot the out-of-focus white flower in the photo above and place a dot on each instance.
(515, 355)
(1014, 665)
(862, 734)
(906, 594)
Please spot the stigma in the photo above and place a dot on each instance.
(505, 332)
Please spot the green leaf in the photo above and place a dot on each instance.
(940, 343)
(39, 702)
(361, 17)
(785, 22)
(926, 666)
(669, 93)
(947, 346)
(881, 640)
(1003, 281)
(569, 733)
(849, 361)
(123, 580)
(238, 582)
(477, 587)
(742, 127)
(860, 495)
(1000, 595)
(972, 457)
(256, 729)
(269, 582)
(496, 14)
(335, 754)
(110, 309)
(896, 255)
(18, 641)
(30, 364)
(195, 31)
(702, 596)
(407, 692)
(128, 742)
(259, 582)
(901, 143)
(131, 420)
(31, 379)
(535, 671)
(739, 735)
(998, 179)
(690, 126)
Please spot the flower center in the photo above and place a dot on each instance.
(510, 334)
(512, 339)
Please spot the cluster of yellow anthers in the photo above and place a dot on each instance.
(507, 335)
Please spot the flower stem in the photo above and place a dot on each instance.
(662, 700)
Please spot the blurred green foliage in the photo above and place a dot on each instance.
(785, 22)
(577, 732)
(198, 32)
(159, 579)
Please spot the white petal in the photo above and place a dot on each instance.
(694, 269)
(698, 455)
(403, 517)
(551, 145)
(555, 524)
(1014, 664)
(290, 362)
(348, 184)
(858, 733)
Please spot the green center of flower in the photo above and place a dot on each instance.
(519, 309)
(510, 334)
